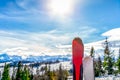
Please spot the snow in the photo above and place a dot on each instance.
(114, 40)
(112, 32)
(108, 78)
(1, 58)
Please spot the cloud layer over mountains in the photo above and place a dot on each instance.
(25, 44)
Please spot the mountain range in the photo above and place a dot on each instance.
(113, 39)
(46, 58)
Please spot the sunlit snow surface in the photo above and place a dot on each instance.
(114, 43)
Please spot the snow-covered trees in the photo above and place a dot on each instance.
(108, 63)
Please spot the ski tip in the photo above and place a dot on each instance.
(79, 40)
(87, 58)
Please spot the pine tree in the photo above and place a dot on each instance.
(42, 70)
(0, 75)
(92, 52)
(119, 53)
(108, 63)
(118, 63)
(49, 73)
(25, 74)
(95, 63)
(19, 71)
(37, 71)
(5, 75)
(66, 73)
(13, 74)
(45, 70)
(96, 69)
(100, 66)
(31, 72)
(60, 75)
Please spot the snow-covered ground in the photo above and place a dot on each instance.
(67, 65)
(108, 78)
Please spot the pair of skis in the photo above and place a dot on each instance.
(81, 66)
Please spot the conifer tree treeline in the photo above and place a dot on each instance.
(108, 65)
(23, 72)
(97, 64)
(5, 75)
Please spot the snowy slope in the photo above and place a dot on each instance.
(114, 43)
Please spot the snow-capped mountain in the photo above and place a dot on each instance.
(46, 58)
(112, 35)
(4, 58)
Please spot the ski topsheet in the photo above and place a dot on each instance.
(88, 69)
(77, 55)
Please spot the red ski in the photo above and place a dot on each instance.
(77, 55)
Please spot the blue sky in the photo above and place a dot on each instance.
(25, 23)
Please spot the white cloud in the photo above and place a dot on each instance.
(26, 4)
(30, 43)
(47, 43)
(38, 43)
(26, 12)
